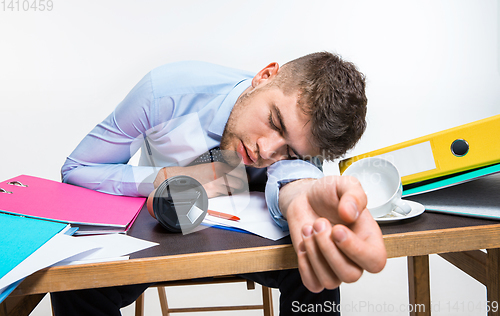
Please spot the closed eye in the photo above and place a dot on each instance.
(289, 151)
(271, 123)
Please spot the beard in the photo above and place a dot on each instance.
(230, 156)
(229, 136)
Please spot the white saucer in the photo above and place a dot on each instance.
(416, 210)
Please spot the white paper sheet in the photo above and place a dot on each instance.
(60, 247)
(111, 246)
(252, 210)
(70, 250)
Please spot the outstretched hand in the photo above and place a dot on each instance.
(333, 233)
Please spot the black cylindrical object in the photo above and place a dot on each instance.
(180, 204)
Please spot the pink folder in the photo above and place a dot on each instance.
(92, 211)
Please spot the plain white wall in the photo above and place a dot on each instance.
(430, 65)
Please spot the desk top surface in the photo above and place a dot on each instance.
(214, 239)
(212, 252)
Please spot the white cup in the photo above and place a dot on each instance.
(381, 182)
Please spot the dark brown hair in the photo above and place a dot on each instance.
(332, 92)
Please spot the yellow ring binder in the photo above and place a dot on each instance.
(462, 148)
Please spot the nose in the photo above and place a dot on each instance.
(272, 148)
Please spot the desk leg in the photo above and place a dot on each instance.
(493, 281)
(139, 305)
(419, 285)
(20, 305)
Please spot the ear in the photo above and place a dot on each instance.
(263, 76)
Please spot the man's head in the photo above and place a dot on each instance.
(312, 106)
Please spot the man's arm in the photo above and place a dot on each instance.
(217, 178)
(333, 233)
(100, 160)
(335, 237)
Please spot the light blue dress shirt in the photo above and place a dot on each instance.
(181, 109)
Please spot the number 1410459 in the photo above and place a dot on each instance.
(27, 5)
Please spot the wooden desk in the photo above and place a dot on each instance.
(215, 252)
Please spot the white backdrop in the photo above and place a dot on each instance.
(430, 65)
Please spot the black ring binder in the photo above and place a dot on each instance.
(17, 183)
(5, 191)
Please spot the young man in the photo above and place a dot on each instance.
(313, 106)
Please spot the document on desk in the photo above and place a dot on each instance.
(449, 181)
(477, 198)
(112, 247)
(252, 210)
(63, 249)
(59, 247)
(21, 237)
(93, 212)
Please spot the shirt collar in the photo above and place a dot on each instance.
(222, 115)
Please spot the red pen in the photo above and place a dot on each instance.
(223, 215)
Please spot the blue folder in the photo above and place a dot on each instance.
(19, 238)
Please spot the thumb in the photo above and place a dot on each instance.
(352, 197)
(338, 198)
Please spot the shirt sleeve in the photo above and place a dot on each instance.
(281, 173)
(100, 160)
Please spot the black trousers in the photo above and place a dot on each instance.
(295, 299)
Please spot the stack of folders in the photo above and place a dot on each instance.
(91, 211)
(25, 246)
(29, 244)
(38, 218)
(453, 171)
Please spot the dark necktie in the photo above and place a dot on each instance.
(212, 155)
